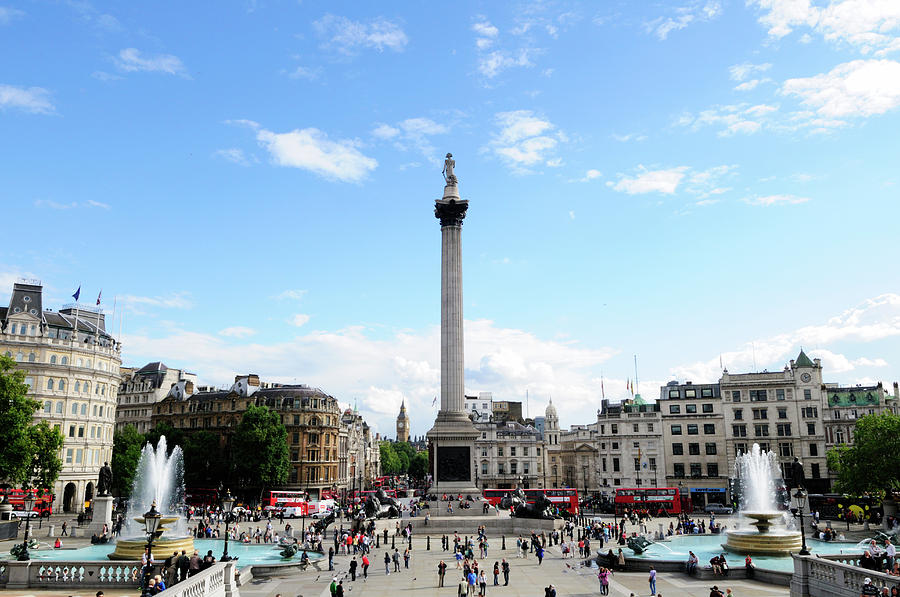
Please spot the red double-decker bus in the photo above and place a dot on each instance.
(565, 498)
(201, 498)
(653, 499)
(43, 504)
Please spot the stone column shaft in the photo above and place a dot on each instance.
(452, 382)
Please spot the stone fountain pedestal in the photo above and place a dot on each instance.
(103, 509)
(132, 548)
(764, 541)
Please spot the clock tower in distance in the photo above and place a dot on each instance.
(403, 424)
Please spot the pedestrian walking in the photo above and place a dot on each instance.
(496, 574)
(406, 558)
(65, 533)
(330, 559)
(387, 564)
(603, 576)
(462, 588)
(365, 566)
(540, 554)
(505, 568)
(652, 580)
(471, 579)
(333, 586)
(340, 590)
(396, 560)
(353, 565)
(482, 583)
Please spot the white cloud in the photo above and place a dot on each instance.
(50, 204)
(233, 155)
(178, 300)
(735, 119)
(874, 319)
(650, 181)
(35, 100)
(311, 149)
(299, 319)
(769, 200)
(525, 139)
(381, 370)
(348, 37)
(748, 85)
(7, 14)
(291, 294)
(868, 25)
(683, 16)
(629, 137)
(591, 174)
(492, 64)
(304, 72)
(857, 88)
(237, 332)
(484, 29)
(412, 133)
(740, 72)
(385, 131)
(571, 215)
(132, 60)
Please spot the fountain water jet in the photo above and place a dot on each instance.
(757, 471)
(159, 478)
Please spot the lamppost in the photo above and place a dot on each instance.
(29, 499)
(227, 507)
(584, 476)
(681, 494)
(800, 495)
(152, 518)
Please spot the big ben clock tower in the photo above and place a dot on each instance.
(403, 424)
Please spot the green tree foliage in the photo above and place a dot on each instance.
(46, 442)
(127, 445)
(259, 449)
(872, 463)
(19, 458)
(418, 468)
(397, 457)
(390, 464)
(174, 437)
(204, 464)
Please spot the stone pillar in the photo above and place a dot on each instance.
(103, 509)
(453, 436)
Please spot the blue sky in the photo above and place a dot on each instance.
(255, 185)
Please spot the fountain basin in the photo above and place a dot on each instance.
(163, 547)
(764, 540)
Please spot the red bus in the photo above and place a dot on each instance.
(202, 498)
(564, 499)
(43, 504)
(654, 499)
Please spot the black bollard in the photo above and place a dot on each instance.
(504, 542)
(393, 545)
(377, 540)
(428, 543)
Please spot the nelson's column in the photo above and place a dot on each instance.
(452, 439)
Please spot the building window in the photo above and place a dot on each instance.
(677, 449)
(810, 412)
(815, 470)
(674, 409)
(615, 428)
(739, 430)
(694, 449)
(615, 465)
(738, 414)
(615, 445)
(59, 408)
(706, 393)
(736, 396)
(786, 450)
(779, 394)
(712, 469)
(810, 429)
(637, 465)
(813, 449)
(49, 384)
(64, 361)
(77, 386)
(501, 469)
(69, 456)
(784, 429)
(84, 408)
(676, 429)
(678, 470)
(782, 413)
(740, 448)
(761, 430)
(690, 408)
(760, 413)
(513, 468)
(48, 407)
(696, 470)
(650, 427)
(499, 450)
(758, 395)
(710, 449)
(652, 464)
(484, 469)
(709, 428)
(52, 359)
(707, 408)
(74, 408)
(604, 465)
(636, 445)
(807, 394)
(635, 428)
(512, 450)
(674, 394)
(617, 481)
(525, 451)
(693, 429)
(61, 386)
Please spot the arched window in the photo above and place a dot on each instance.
(31, 357)
(20, 356)
(52, 359)
(88, 364)
(50, 384)
(77, 386)
(103, 390)
(59, 408)
(48, 407)
(74, 408)
(80, 362)
(313, 421)
(61, 385)
(33, 330)
(23, 329)
(84, 408)
(65, 360)
(87, 387)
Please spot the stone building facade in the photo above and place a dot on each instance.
(74, 374)
(508, 453)
(362, 462)
(142, 388)
(312, 419)
(629, 443)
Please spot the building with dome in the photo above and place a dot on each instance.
(71, 366)
(403, 424)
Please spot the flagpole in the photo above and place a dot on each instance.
(637, 384)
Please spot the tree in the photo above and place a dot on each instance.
(872, 463)
(127, 445)
(16, 412)
(259, 449)
(418, 468)
(203, 462)
(174, 437)
(46, 442)
(390, 464)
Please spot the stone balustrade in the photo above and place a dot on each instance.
(828, 576)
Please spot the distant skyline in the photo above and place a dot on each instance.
(695, 182)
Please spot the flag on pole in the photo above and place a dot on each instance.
(98, 298)
(77, 293)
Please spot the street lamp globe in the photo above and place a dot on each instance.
(800, 494)
(228, 502)
(29, 502)
(152, 518)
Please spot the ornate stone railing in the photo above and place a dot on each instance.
(826, 577)
(217, 581)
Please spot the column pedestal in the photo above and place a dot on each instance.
(103, 509)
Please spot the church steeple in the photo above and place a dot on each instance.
(403, 423)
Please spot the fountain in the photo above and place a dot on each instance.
(757, 470)
(159, 479)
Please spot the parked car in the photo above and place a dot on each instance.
(23, 514)
(718, 509)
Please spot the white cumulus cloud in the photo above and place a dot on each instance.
(237, 331)
(299, 319)
(857, 88)
(770, 200)
(133, 60)
(525, 140)
(35, 100)
(311, 149)
(348, 37)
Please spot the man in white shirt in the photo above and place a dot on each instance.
(890, 551)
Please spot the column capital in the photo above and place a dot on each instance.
(450, 212)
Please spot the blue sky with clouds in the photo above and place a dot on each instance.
(255, 183)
